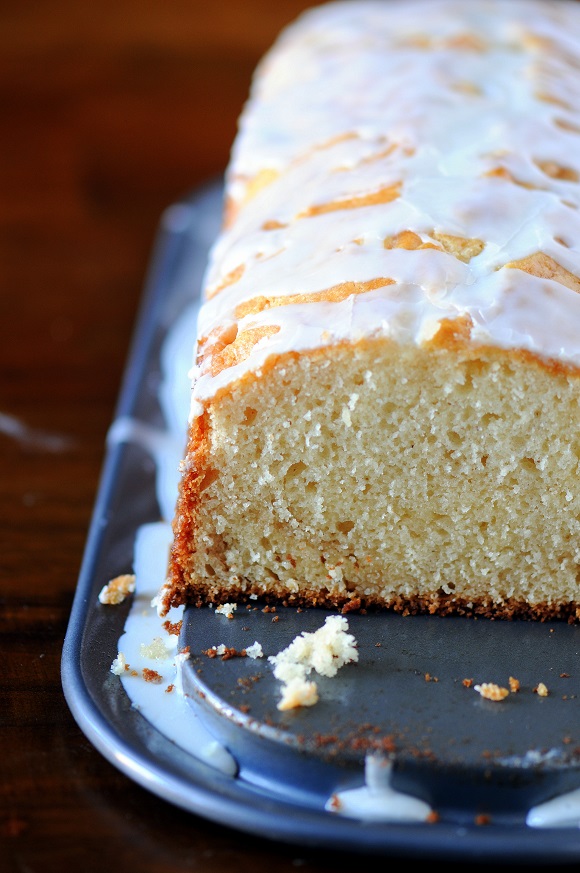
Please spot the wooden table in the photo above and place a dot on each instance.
(110, 111)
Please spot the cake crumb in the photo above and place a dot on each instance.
(541, 690)
(468, 683)
(226, 609)
(119, 665)
(325, 650)
(514, 684)
(255, 651)
(117, 589)
(155, 651)
(298, 692)
(491, 691)
(152, 676)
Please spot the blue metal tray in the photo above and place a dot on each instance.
(466, 756)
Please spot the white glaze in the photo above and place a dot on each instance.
(563, 811)
(40, 440)
(377, 800)
(352, 70)
(168, 711)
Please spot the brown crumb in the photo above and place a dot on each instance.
(335, 803)
(276, 618)
(514, 684)
(169, 689)
(387, 744)
(433, 817)
(468, 683)
(224, 652)
(245, 708)
(230, 652)
(353, 604)
(173, 627)
(564, 675)
(482, 819)
(541, 690)
(152, 675)
(247, 681)
(430, 678)
(378, 645)
(323, 741)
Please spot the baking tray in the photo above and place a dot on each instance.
(479, 763)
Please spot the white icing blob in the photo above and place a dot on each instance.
(562, 811)
(377, 800)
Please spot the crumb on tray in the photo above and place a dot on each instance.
(119, 665)
(226, 609)
(491, 691)
(325, 651)
(117, 589)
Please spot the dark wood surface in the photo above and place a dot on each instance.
(109, 111)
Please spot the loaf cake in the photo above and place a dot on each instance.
(386, 391)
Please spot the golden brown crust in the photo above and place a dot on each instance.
(335, 294)
(434, 604)
(184, 521)
(240, 348)
(545, 267)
